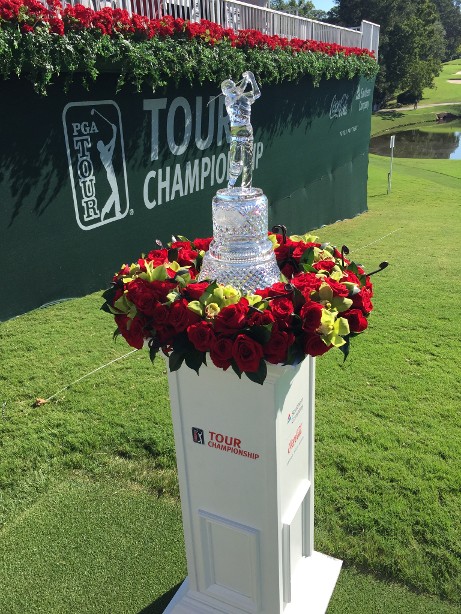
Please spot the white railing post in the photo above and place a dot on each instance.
(370, 36)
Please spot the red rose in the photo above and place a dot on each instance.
(221, 352)
(160, 314)
(166, 335)
(283, 252)
(181, 317)
(289, 269)
(277, 289)
(231, 318)
(338, 288)
(288, 242)
(131, 330)
(201, 335)
(350, 277)
(181, 244)
(263, 292)
(357, 321)
(324, 265)
(369, 287)
(144, 294)
(247, 353)
(260, 318)
(300, 248)
(276, 349)
(306, 283)
(362, 301)
(203, 244)
(186, 257)
(158, 255)
(311, 314)
(282, 308)
(124, 272)
(314, 345)
(195, 291)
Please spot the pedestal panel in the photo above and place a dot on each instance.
(245, 467)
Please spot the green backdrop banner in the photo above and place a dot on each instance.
(89, 180)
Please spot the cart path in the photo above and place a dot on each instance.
(420, 106)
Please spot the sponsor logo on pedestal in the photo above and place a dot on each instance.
(222, 442)
(95, 152)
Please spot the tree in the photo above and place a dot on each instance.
(303, 8)
(412, 44)
(450, 17)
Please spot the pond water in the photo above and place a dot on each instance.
(443, 143)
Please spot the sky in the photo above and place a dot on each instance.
(323, 5)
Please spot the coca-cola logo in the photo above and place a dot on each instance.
(339, 108)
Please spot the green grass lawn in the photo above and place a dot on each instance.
(89, 504)
(444, 91)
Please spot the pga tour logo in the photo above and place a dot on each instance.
(198, 435)
(95, 152)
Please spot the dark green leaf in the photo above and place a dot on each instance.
(153, 351)
(109, 294)
(295, 354)
(236, 369)
(172, 254)
(194, 360)
(307, 268)
(308, 256)
(261, 334)
(182, 344)
(260, 374)
(106, 308)
(346, 347)
(298, 299)
(353, 267)
(175, 360)
(208, 292)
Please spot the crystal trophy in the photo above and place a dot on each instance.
(241, 254)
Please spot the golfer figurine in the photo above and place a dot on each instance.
(238, 105)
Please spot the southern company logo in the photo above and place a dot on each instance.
(95, 152)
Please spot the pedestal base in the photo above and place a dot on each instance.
(312, 587)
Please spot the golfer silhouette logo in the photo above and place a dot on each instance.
(95, 150)
(106, 153)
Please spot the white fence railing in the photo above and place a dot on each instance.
(241, 16)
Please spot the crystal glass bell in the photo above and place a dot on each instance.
(240, 255)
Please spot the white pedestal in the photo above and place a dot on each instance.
(245, 456)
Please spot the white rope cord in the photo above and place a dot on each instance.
(377, 240)
(88, 375)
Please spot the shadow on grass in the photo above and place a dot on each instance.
(390, 115)
(159, 605)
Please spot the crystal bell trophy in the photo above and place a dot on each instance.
(240, 255)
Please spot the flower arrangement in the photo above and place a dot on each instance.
(42, 41)
(321, 301)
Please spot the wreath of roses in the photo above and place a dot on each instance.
(321, 301)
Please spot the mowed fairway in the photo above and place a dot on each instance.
(89, 500)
